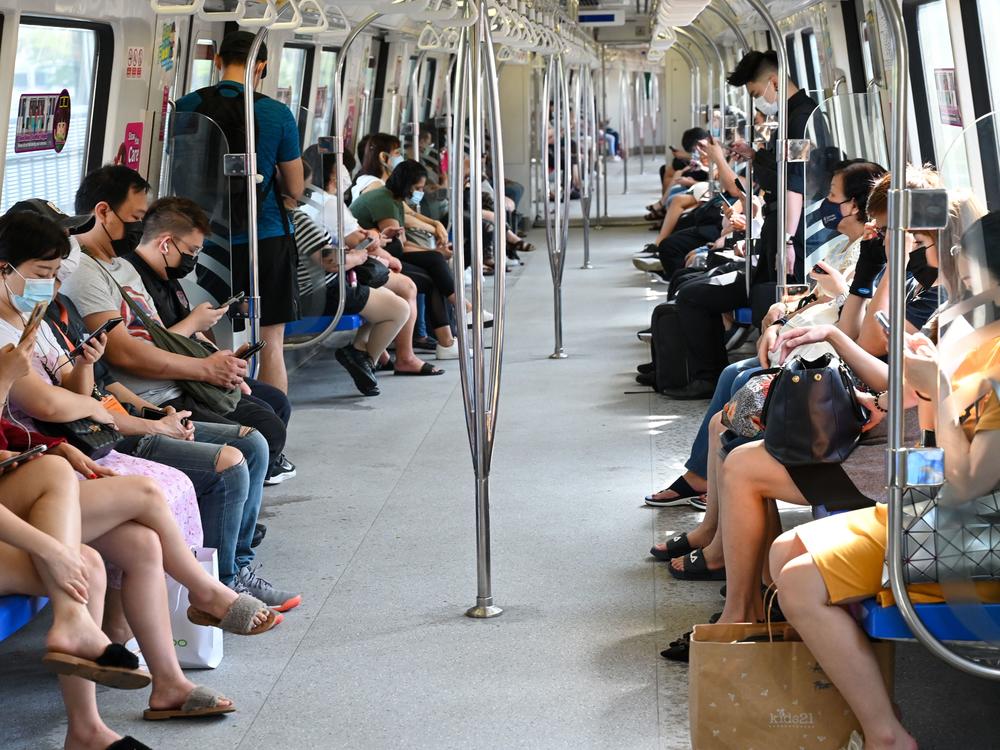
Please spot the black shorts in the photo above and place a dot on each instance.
(356, 299)
(277, 267)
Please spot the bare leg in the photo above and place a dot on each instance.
(840, 647)
(406, 360)
(115, 623)
(272, 357)
(386, 314)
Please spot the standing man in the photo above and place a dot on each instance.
(280, 167)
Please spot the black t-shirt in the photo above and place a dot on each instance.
(167, 294)
(765, 166)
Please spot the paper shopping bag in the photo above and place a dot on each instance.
(748, 691)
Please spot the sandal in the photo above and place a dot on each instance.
(426, 369)
(678, 650)
(201, 701)
(389, 364)
(696, 568)
(676, 546)
(116, 667)
(682, 493)
(128, 743)
(653, 216)
(238, 618)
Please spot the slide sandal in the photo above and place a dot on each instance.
(426, 369)
(696, 569)
(128, 743)
(239, 618)
(676, 546)
(117, 667)
(201, 701)
(682, 493)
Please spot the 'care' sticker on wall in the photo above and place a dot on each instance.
(134, 62)
(133, 145)
(42, 122)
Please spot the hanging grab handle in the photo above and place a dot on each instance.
(236, 14)
(269, 17)
(168, 9)
(324, 22)
(292, 24)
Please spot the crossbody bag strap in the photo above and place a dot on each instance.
(147, 321)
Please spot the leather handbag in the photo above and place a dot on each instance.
(811, 414)
(92, 438)
(372, 274)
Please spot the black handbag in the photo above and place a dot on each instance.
(811, 414)
(92, 438)
(372, 273)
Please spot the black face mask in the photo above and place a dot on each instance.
(184, 266)
(129, 241)
(918, 267)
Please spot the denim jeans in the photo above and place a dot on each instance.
(229, 501)
(420, 329)
(732, 379)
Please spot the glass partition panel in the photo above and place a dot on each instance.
(843, 127)
(323, 96)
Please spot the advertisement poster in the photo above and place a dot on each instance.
(42, 122)
(133, 145)
(168, 38)
(947, 96)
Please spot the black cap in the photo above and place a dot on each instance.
(48, 209)
(238, 43)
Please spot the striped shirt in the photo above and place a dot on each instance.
(310, 238)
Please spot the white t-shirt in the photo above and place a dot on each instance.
(44, 360)
(363, 182)
(92, 291)
(322, 208)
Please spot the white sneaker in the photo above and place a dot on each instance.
(487, 319)
(647, 264)
(447, 352)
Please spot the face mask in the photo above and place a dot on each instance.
(831, 214)
(762, 103)
(35, 291)
(70, 262)
(130, 238)
(395, 161)
(918, 267)
(417, 197)
(184, 266)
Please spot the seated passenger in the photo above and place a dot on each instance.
(382, 209)
(823, 565)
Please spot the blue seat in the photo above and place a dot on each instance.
(887, 623)
(314, 326)
(744, 316)
(17, 611)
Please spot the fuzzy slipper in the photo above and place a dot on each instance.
(201, 701)
(117, 667)
(238, 619)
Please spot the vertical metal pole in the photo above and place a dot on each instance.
(640, 117)
(625, 123)
(709, 68)
(710, 43)
(604, 114)
(696, 68)
(695, 84)
(557, 215)
(781, 146)
(253, 247)
(588, 160)
(415, 105)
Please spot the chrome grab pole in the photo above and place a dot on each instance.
(604, 115)
(898, 209)
(696, 29)
(337, 148)
(696, 67)
(749, 137)
(654, 106)
(781, 147)
(623, 115)
(688, 58)
(709, 70)
(557, 210)
(588, 160)
(253, 247)
(415, 105)
(639, 117)
(480, 393)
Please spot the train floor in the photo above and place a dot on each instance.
(377, 531)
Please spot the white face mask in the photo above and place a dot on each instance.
(764, 104)
(71, 262)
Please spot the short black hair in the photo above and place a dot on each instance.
(407, 174)
(235, 48)
(754, 66)
(859, 177)
(176, 216)
(112, 184)
(28, 236)
(691, 137)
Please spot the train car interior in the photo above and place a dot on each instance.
(500, 373)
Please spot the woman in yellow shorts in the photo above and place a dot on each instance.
(838, 560)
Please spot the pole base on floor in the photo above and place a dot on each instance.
(558, 354)
(586, 266)
(483, 612)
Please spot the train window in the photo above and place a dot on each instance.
(793, 68)
(813, 66)
(989, 16)
(291, 77)
(323, 104)
(202, 65)
(937, 63)
(51, 57)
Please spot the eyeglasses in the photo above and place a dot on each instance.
(195, 249)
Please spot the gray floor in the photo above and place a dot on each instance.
(378, 533)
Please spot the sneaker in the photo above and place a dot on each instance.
(447, 352)
(258, 535)
(645, 336)
(652, 250)
(248, 582)
(647, 264)
(280, 470)
(698, 503)
(487, 319)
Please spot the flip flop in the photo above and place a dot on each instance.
(238, 618)
(116, 667)
(677, 546)
(201, 701)
(680, 488)
(696, 569)
(128, 743)
(426, 369)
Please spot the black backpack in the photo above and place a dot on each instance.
(227, 113)
(669, 349)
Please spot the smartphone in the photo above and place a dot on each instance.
(818, 270)
(252, 350)
(232, 301)
(157, 414)
(729, 201)
(23, 456)
(34, 320)
(105, 327)
(363, 244)
(796, 290)
(883, 320)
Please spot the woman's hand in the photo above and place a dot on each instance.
(796, 337)
(102, 415)
(4, 455)
(173, 425)
(739, 222)
(80, 462)
(921, 370)
(833, 283)
(741, 151)
(441, 233)
(395, 265)
(204, 316)
(93, 350)
(445, 250)
(766, 343)
(68, 570)
(15, 362)
(875, 415)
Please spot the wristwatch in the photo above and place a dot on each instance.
(840, 299)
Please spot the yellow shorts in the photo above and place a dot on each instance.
(849, 550)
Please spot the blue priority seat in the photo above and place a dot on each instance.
(744, 316)
(314, 326)
(16, 611)
(974, 622)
